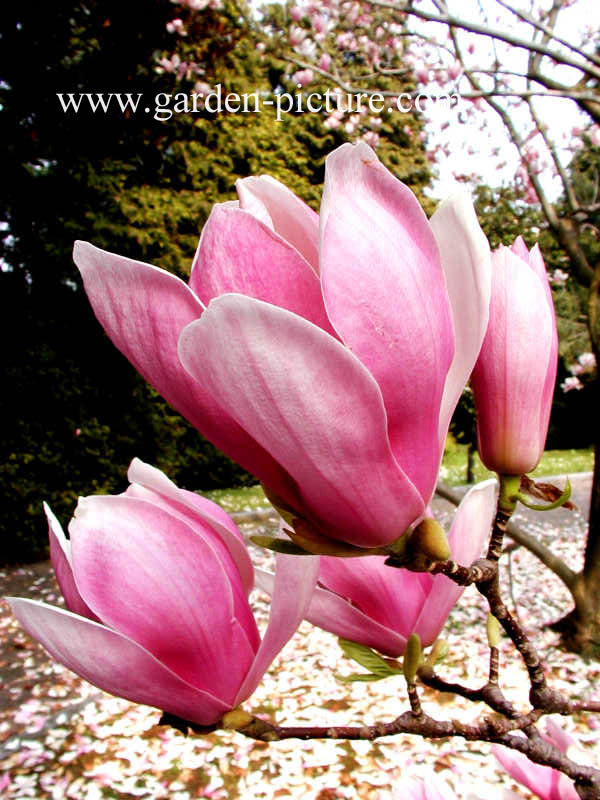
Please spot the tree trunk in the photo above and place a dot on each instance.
(580, 629)
(471, 450)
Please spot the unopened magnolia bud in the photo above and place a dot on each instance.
(236, 720)
(430, 540)
(413, 657)
(438, 652)
(493, 631)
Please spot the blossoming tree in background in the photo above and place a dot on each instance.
(526, 68)
(326, 354)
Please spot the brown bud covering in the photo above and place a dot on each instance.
(236, 720)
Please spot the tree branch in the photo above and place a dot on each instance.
(522, 15)
(527, 540)
(497, 34)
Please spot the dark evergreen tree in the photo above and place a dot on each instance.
(75, 411)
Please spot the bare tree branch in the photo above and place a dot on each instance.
(496, 34)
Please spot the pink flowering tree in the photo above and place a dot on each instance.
(514, 75)
(326, 353)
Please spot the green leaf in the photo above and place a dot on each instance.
(369, 659)
(364, 677)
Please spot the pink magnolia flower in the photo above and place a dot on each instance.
(545, 782)
(325, 62)
(303, 77)
(155, 582)
(371, 138)
(363, 600)
(324, 354)
(513, 379)
(296, 35)
(434, 788)
(455, 70)
(571, 383)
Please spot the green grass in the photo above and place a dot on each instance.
(453, 472)
(243, 499)
(554, 462)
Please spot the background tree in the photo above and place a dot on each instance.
(75, 411)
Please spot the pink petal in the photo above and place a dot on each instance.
(143, 310)
(60, 556)
(513, 393)
(313, 406)
(265, 197)
(558, 736)
(519, 248)
(238, 253)
(295, 579)
(112, 662)
(545, 782)
(150, 576)
(472, 524)
(333, 613)
(431, 788)
(466, 261)
(221, 523)
(536, 262)
(468, 535)
(385, 296)
(241, 610)
(392, 597)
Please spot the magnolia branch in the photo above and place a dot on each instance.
(351, 88)
(497, 34)
(496, 730)
(543, 553)
(547, 31)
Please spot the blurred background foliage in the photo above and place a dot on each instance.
(74, 411)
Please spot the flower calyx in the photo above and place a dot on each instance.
(421, 549)
(305, 538)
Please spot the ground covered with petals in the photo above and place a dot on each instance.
(62, 738)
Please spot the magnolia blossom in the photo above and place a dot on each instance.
(371, 138)
(324, 354)
(545, 782)
(296, 34)
(156, 581)
(571, 383)
(513, 380)
(325, 62)
(434, 788)
(363, 600)
(303, 77)
(559, 277)
(586, 364)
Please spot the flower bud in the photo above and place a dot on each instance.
(413, 657)
(429, 540)
(493, 631)
(513, 379)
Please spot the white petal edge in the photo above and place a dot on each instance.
(466, 262)
(154, 479)
(295, 580)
